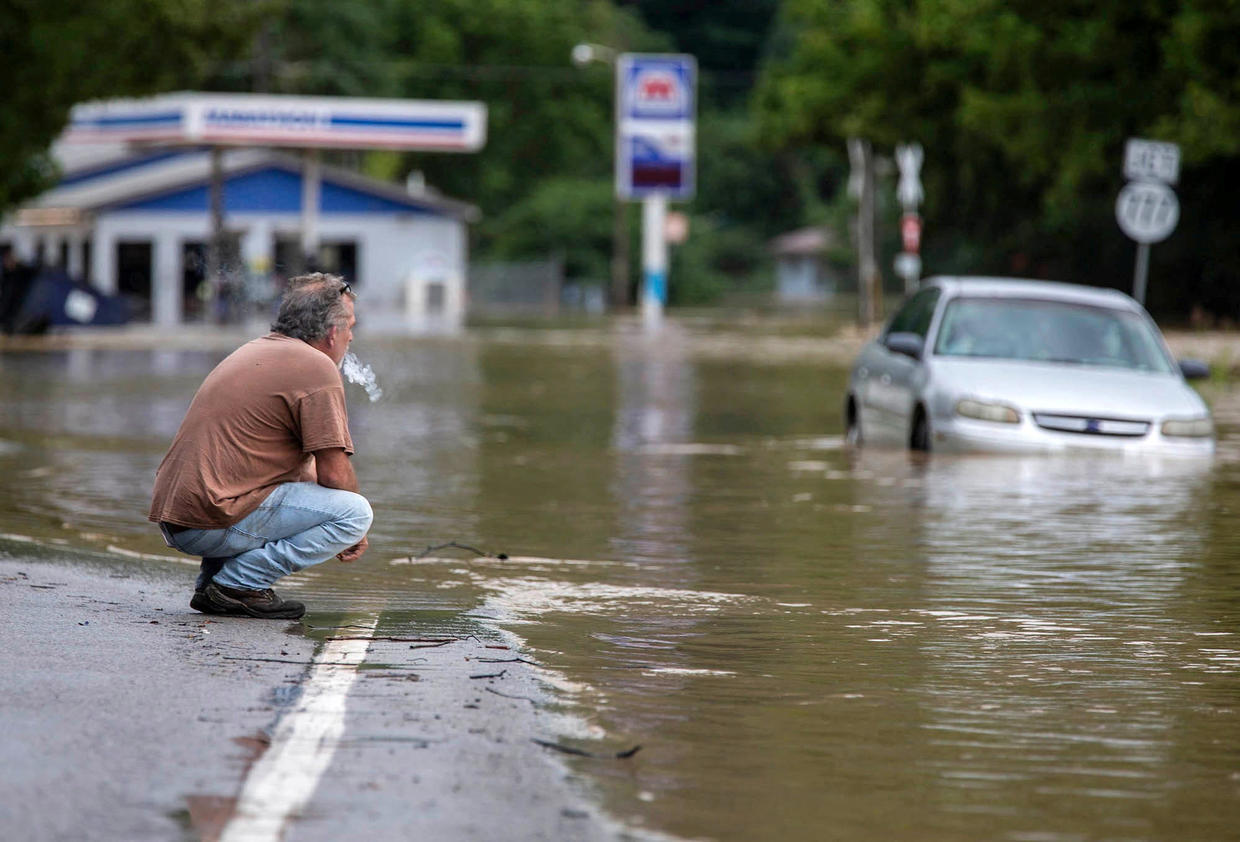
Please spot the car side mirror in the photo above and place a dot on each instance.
(908, 344)
(1194, 369)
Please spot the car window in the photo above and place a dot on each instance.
(1050, 331)
(915, 315)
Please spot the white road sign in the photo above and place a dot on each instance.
(908, 191)
(908, 266)
(1147, 211)
(1151, 160)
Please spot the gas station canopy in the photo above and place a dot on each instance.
(274, 120)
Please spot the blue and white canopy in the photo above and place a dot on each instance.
(291, 121)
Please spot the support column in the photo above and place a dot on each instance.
(167, 306)
(103, 261)
(75, 268)
(311, 190)
(215, 244)
(51, 250)
(24, 245)
(258, 257)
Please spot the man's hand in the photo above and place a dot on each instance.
(335, 471)
(354, 552)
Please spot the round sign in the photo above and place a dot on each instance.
(676, 227)
(1147, 211)
(910, 232)
(908, 266)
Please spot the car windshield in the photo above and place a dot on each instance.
(1050, 331)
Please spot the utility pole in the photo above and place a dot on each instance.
(618, 296)
(861, 186)
(620, 256)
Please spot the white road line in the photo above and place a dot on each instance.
(285, 777)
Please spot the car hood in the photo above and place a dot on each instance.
(1067, 389)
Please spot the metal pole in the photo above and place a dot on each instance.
(620, 256)
(868, 280)
(654, 259)
(215, 245)
(311, 181)
(1141, 273)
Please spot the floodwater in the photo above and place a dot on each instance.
(808, 642)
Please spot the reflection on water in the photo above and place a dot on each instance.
(810, 642)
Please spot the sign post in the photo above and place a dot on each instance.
(910, 194)
(656, 103)
(1146, 209)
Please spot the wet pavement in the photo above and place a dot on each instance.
(129, 716)
(807, 641)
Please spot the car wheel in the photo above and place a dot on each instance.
(920, 439)
(852, 424)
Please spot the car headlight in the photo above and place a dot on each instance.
(1189, 428)
(998, 412)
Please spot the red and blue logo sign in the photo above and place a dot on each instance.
(657, 88)
(655, 150)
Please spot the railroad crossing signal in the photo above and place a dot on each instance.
(909, 191)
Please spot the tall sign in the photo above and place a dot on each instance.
(909, 191)
(656, 107)
(1147, 210)
(655, 115)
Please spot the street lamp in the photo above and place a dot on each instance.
(582, 55)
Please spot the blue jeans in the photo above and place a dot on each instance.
(299, 525)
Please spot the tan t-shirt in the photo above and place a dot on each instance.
(251, 426)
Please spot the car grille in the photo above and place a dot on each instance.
(1090, 426)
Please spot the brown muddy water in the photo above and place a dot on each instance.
(809, 642)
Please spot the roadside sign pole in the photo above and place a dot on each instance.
(1147, 210)
(1141, 272)
(656, 98)
(654, 258)
(909, 191)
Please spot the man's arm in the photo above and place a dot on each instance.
(336, 471)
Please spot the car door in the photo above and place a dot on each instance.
(893, 376)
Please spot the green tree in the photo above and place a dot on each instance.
(726, 38)
(1023, 108)
(1200, 51)
(549, 124)
(569, 217)
(546, 118)
(56, 53)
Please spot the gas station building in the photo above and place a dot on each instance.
(133, 212)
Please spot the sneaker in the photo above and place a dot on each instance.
(263, 604)
(199, 602)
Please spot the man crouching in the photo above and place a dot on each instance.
(258, 480)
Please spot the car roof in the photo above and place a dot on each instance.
(999, 287)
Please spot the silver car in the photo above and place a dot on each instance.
(999, 364)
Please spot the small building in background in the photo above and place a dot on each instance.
(136, 222)
(804, 271)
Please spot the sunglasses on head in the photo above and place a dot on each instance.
(346, 288)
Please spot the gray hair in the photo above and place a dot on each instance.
(312, 305)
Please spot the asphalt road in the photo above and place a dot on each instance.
(127, 716)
